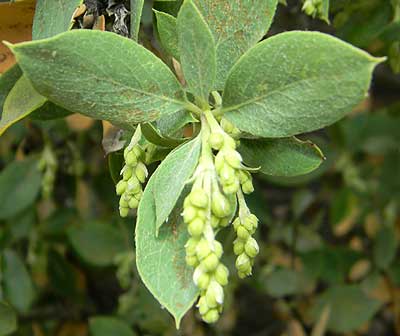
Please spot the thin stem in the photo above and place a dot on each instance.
(243, 208)
(193, 108)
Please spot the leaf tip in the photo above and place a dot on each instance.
(8, 44)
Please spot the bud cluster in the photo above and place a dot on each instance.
(134, 174)
(245, 246)
(204, 252)
(48, 165)
(312, 7)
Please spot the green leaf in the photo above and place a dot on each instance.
(8, 319)
(97, 243)
(7, 81)
(384, 248)
(20, 184)
(281, 157)
(161, 260)
(106, 326)
(20, 102)
(236, 25)
(131, 89)
(167, 31)
(49, 111)
(170, 179)
(170, 124)
(152, 135)
(196, 50)
(284, 282)
(136, 15)
(350, 308)
(17, 283)
(61, 274)
(296, 82)
(53, 17)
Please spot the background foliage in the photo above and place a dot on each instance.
(329, 240)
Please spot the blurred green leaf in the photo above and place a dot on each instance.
(283, 282)
(18, 286)
(384, 248)
(8, 319)
(107, 326)
(97, 243)
(20, 183)
(61, 274)
(350, 307)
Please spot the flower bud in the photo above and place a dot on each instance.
(244, 176)
(127, 173)
(214, 294)
(233, 158)
(242, 233)
(231, 188)
(224, 222)
(203, 249)
(216, 140)
(221, 275)
(133, 203)
(131, 159)
(214, 221)
(191, 261)
(189, 214)
(191, 246)
(248, 187)
(236, 223)
(218, 249)
(243, 263)
(141, 172)
(238, 247)
(203, 281)
(202, 305)
(220, 205)
(196, 227)
(133, 185)
(123, 212)
(138, 151)
(211, 316)
(251, 248)
(201, 214)
(219, 161)
(199, 198)
(120, 187)
(123, 203)
(210, 263)
(227, 174)
(227, 126)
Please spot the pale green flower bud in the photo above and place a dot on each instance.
(227, 126)
(238, 247)
(123, 212)
(202, 305)
(189, 214)
(242, 233)
(196, 227)
(220, 205)
(141, 172)
(251, 248)
(138, 151)
(224, 222)
(231, 188)
(244, 176)
(219, 161)
(192, 261)
(210, 263)
(203, 281)
(236, 223)
(199, 198)
(191, 246)
(123, 203)
(121, 187)
(248, 187)
(133, 186)
(131, 159)
(214, 294)
(133, 203)
(233, 158)
(242, 275)
(218, 249)
(127, 173)
(215, 221)
(201, 214)
(227, 174)
(243, 263)
(216, 140)
(203, 249)
(221, 274)
(211, 316)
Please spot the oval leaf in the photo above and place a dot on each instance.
(281, 157)
(106, 326)
(161, 260)
(236, 25)
(171, 177)
(167, 31)
(296, 82)
(196, 50)
(135, 88)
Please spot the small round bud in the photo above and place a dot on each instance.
(221, 275)
(218, 249)
(214, 294)
(133, 186)
(127, 173)
(123, 212)
(236, 223)
(224, 222)
(199, 198)
(201, 214)
(196, 227)
(231, 188)
(131, 159)
(220, 205)
(242, 233)
(227, 126)
(251, 248)
(202, 305)
(210, 263)
(248, 187)
(133, 203)
(242, 275)
(123, 203)
(141, 172)
(216, 140)
(192, 261)
(243, 263)
(219, 161)
(211, 316)
(191, 246)
(189, 214)
(120, 187)
(203, 249)
(244, 176)
(203, 281)
(214, 221)
(227, 174)
(238, 247)
(138, 151)
(233, 158)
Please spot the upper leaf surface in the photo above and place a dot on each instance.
(236, 25)
(196, 50)
(281, 157)
(161, 260)
(53, 17)
(135, 88)
(167, 31)
(7, 81)
(136, 16)
(171, 177)
(296, 82)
